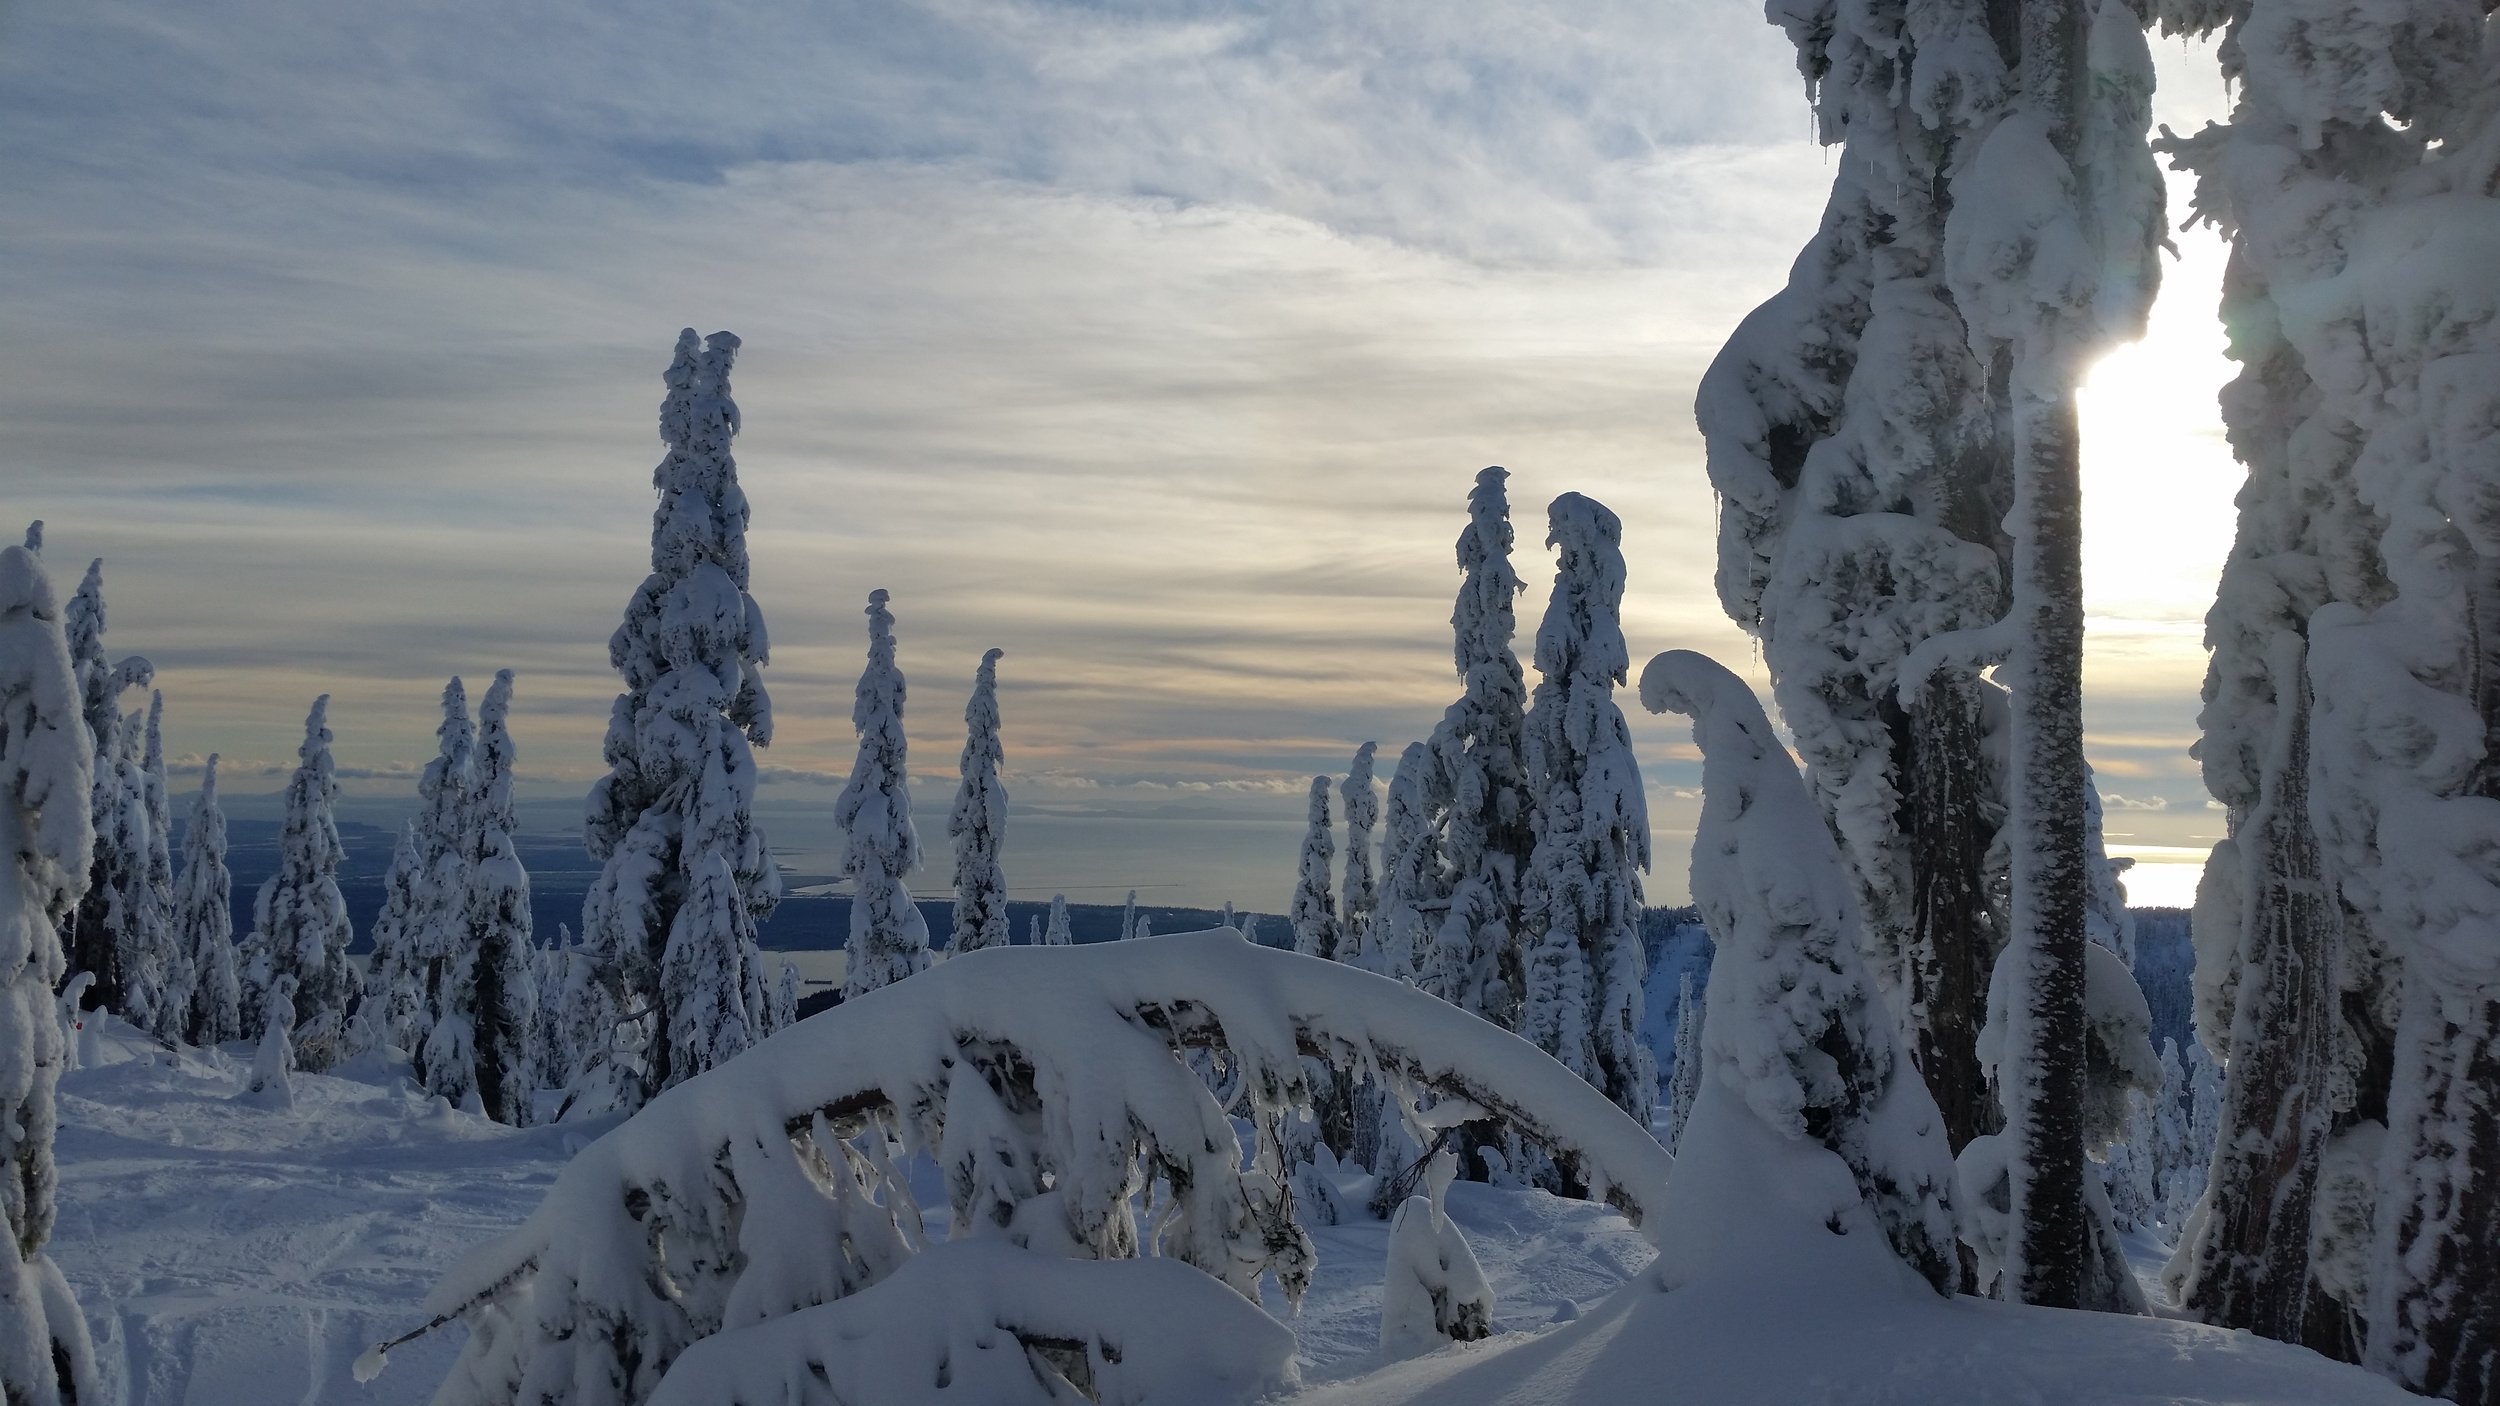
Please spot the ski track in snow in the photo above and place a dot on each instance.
(229, 1254)
(232, 1254)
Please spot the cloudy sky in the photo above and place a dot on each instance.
(1155, 343)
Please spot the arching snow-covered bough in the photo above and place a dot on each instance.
(767, 1186)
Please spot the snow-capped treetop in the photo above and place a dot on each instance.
(159, 804)
(1360, 896)
(490, 781)
(978, 824)
(1792, 1023)
(1314, 916)
(1413, 883)
(46, 835)
(1581, 636)
(443, 787)
(888, 938)
(47, 760)
(874, 809)
(100, 681)
(692, 641)
(1058, 934)
(34, 537)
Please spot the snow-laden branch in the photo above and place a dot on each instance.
(766, 1186)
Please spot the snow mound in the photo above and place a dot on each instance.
(985, 1323)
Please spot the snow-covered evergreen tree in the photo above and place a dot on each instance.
(2049, 251)
(676, 808)
(1581, 898)
(1480, 779)
(170, 1012)
(137, 908)
(1433, 1292)
(47, 835)
(550, 1054)
(2355, 182)
(785, 998)
(1859, 449)
(98, 937)
(588, 1034)
(888, 940)
(1414, 886)
(486, 1010)
(1686, 1079)
(978, 824)
(1314, 914)
(204, 921)
(422, 893)
(2250, 1251)
(1128, 917)
(271, 1080)
(1794, 1026)
(1058, 933)
(299, 922)
(1358, 900)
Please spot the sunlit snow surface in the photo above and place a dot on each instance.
(230, 1254)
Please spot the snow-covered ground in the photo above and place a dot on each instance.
(229, 1253)
(233, 1254)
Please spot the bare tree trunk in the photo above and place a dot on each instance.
(1954, 935)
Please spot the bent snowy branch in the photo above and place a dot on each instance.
(766, 1186)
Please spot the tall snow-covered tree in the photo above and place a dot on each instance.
(1686, 1080)
(888, 939)
(412, 946)
(204, 921)
(785, 998)
(676, 808)
(1314, 914)
(2050, 254)
(136, 908)
(1581, 898)
(1795, 1028)
(170, 1011)
(1480, 780)
(978, 824)
(299, 921)
(1358, 899)
(1414, 885)
(589, 1031)
(1058, 933)
(98, 938)
(47, 834)
(1859, 445)
(1128, 917)
(487, 1007)
(2355, 181)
